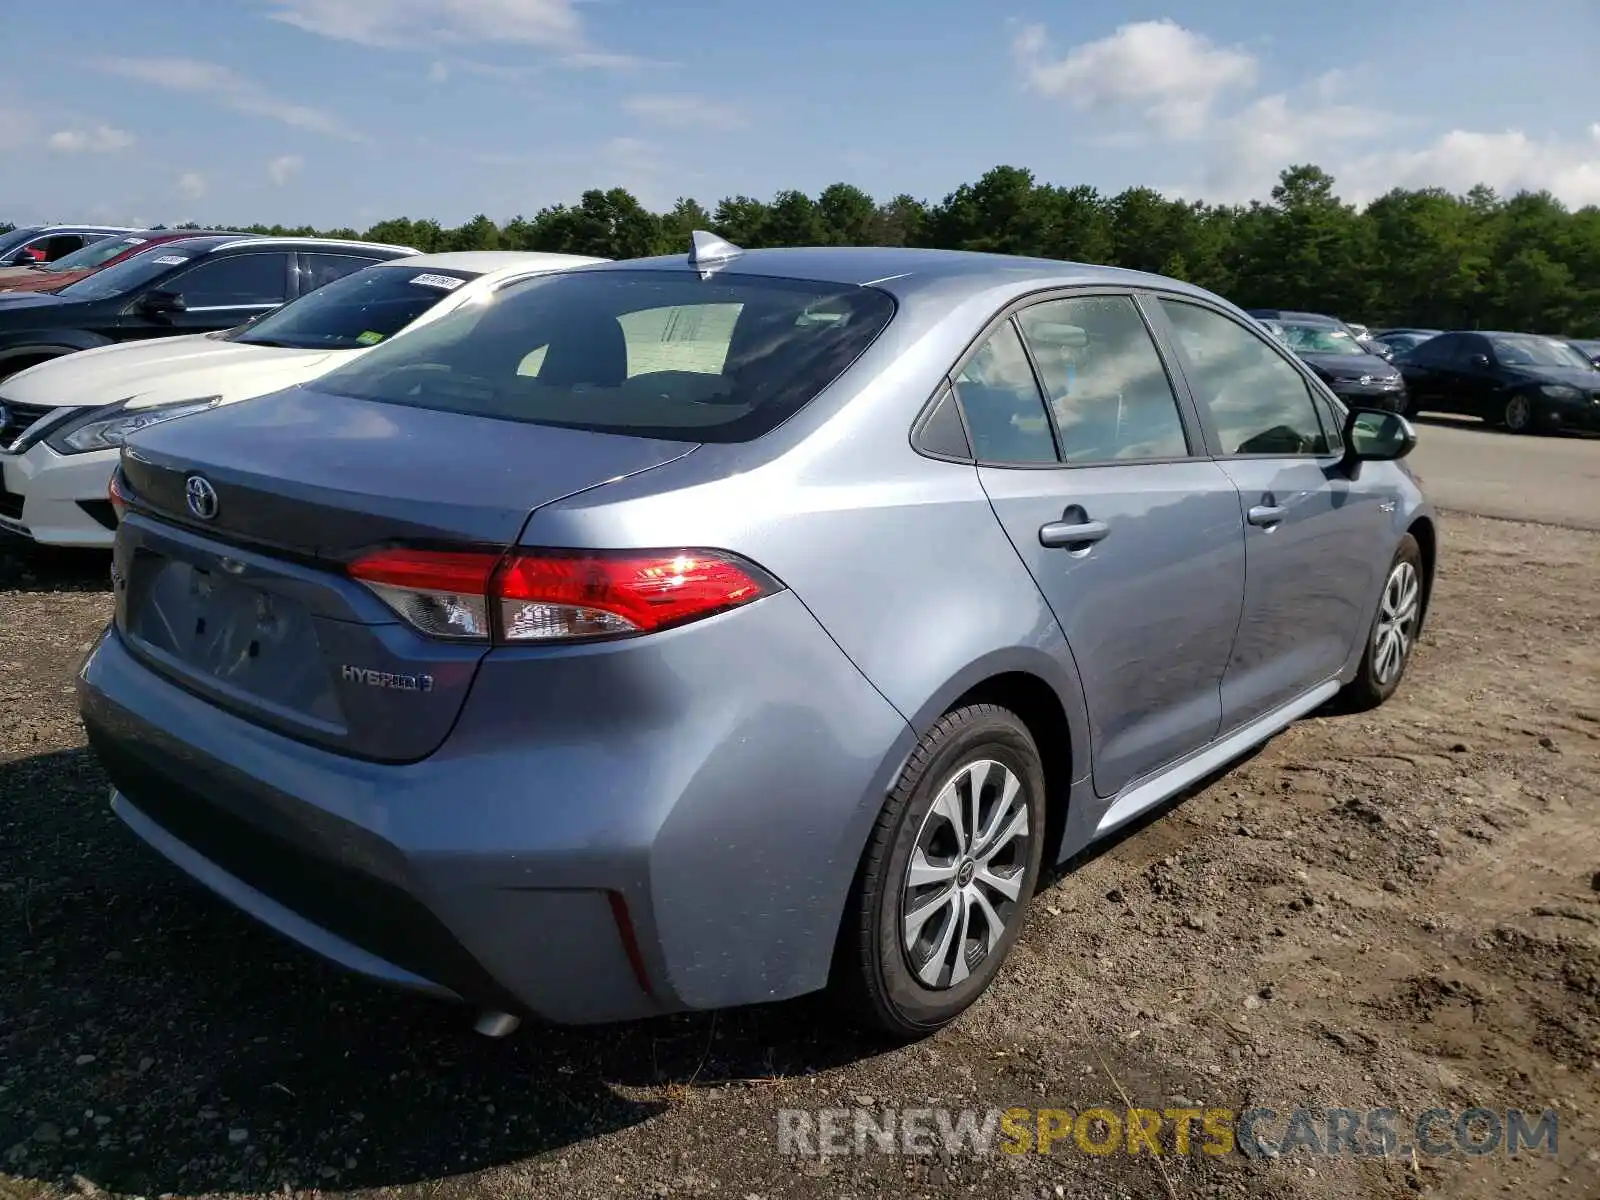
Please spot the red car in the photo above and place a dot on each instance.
(52, 277)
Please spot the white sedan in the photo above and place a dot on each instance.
(63, 422)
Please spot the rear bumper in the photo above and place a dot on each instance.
(56, 499)
(512, 868)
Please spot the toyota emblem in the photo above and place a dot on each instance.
(202, 497)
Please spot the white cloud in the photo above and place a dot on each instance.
(552, 25)
(438, 72)
(191, 185)
(229, 89)
(1155, 70)
(685, 112)
(102, 139)
(1245, 152)
(283, 168)
(1158, 83)
(1509, 162)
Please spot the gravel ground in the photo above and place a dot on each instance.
(1390, 910)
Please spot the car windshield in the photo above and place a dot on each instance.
(361, 309)
(1320, 339)
(651, 353)
(1586, 346)
(127, 274)
(94, 254)
(1529, 351)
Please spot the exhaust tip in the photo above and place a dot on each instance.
(496, 1024)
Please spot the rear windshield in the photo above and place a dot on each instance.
(94, 254)
(129, 273)
(652, 353)
(360, 309)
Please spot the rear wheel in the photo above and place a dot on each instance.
(945, 879)
(1394, 631)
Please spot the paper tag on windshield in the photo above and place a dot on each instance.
(134, 241)
(369, 338)
(446, 283)
(171, 260)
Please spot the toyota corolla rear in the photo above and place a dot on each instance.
(590, 782)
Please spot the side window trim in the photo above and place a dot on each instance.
(1186, 367)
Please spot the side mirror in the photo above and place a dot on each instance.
(160, 304)
(1377, 435)
(1479, 360)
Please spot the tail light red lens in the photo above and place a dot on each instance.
(115, 494)
(558, 595)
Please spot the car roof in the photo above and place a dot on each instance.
(317, 243)
(908, 271)
(86, 228)
(204, 242)
(1544, 337)
(483, 262)
(1286, 314)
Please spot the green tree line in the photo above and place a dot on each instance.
(1426, 257)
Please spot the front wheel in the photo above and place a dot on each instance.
(1394, 631)
(944, 881)
(1518, 415)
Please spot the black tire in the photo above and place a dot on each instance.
(1520, 414)
(1374, 682)
(873, 972)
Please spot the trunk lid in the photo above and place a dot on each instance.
(253, 609)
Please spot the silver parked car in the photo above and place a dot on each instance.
(691, 632)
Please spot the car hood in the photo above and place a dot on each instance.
(41, 281)
(11, 301)
(1576, 377)
(167, 369)
(1350, 364)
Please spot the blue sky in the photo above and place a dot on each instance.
(347, 111)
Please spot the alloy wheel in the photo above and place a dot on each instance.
(1395, 632)
(1519, 414)
(965, 876)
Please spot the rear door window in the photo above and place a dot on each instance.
(653, 353)
(1002, 403)
(235, 281)
(1111, 396)
(319, 270)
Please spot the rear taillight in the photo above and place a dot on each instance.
(115, 494)
(558, 595)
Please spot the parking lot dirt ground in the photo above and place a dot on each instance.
(1391, 910)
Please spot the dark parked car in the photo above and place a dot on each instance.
(1521, 382)
(1359, 377)
(197, 285)
(108, 252)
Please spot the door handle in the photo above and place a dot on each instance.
(1075, 535)
(1266, 515)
